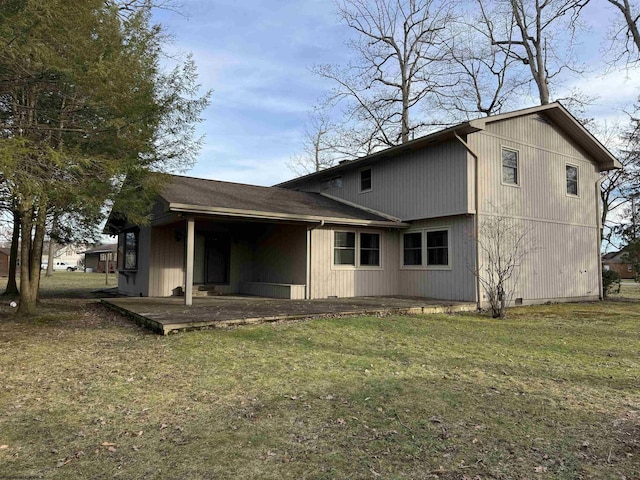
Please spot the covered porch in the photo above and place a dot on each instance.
(204, 256)
(166, 315)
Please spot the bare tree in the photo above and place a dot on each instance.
(503, 245)
(398, 66)
(489, 77)
(543, 37)
(625, 35)
(319, 144)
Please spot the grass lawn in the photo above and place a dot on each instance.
(553, 392)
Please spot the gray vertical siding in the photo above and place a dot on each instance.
(562, 229)
(280, 254)
(431, 182)
(456, 283)
(330, 281)
(167, 262)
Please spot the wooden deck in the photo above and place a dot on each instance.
(166, 315)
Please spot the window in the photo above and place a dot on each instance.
(435, 245)
(510, 167)
(572, 180)
(370, 249)
(344, 248)
(412, 249)
(438, 248)
(365, 180)
(128, 251)
(629, 268)
(330, 184)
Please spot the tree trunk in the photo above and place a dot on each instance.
(12, 286)
(51, 253)
(31, 255)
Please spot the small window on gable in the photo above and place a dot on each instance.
(344, 248)
(370, 249)
(332, 183)
(438, 248)
(365, 180)
(572, 180)
(510, 173)
(412, 249)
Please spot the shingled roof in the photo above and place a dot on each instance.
(197, 195)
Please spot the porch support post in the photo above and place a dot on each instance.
(188, 273)
(308, 279)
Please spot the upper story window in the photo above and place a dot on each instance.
(365, 180)
(332, 183)
(572, 180)
(128, 250)
(510, 167)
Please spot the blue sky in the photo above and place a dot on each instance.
(255, 57)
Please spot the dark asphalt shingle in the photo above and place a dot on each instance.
(217, 194)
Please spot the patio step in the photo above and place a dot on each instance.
(205, 291)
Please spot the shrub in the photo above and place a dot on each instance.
(610, 282)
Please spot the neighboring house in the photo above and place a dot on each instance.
(96, 258)
(4, 262)
(402, 221)
(70, 254)
(618, 262)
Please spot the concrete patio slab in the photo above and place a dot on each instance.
(165, 315)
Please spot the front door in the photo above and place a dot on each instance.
(217, 253)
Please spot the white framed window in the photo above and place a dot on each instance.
(357, 249)
(344, 248)
(571, 173)
(429, 248)
(438, 248)
(366, 180)
(412, 249)
(510, 167)
(369, 249)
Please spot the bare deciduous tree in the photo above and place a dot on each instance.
(319, 144)
(398, 65)
(503, 244)
(543, 37)
(625, 35)
(489, 78)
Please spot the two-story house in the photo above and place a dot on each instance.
(402, 221)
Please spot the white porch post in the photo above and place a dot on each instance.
(188, 273)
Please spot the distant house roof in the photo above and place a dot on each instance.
(109, 247)
(5, 251)
(615, 257)
(555, 112)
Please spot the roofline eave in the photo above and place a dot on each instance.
(260, 215)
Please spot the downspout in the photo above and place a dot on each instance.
(476, 226)
(599, 234)
(308, 285)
